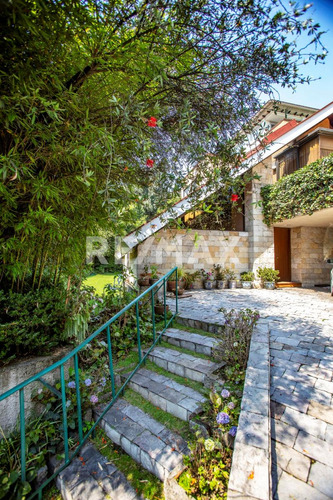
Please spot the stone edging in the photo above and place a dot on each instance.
(250, 475)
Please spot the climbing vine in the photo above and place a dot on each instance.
(301, 193)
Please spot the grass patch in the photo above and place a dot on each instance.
(171, 422)
(98, 281)
(144, 483)
(185, 351)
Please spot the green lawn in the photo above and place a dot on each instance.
(98, 281)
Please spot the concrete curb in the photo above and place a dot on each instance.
(250, 475)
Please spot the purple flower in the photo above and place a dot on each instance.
(225, 393)
(71, 384)
(231, 405)
(103, 381)
(94, 399)
(87, 382)
(222, 418)
(233, 431)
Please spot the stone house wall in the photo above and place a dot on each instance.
(308, 259)
(194, 250)
(261, 237)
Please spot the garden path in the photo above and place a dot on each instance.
(301, 376)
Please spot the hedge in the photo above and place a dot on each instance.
(301, 193)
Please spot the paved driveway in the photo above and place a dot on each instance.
(301, 348)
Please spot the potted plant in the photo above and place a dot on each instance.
(247, 277)
(268, 276)
(189, 279)
(159, 308)
(153, 274)
(231, 275)
(144, 277)
(171, 284)
(220, 276)
(208, 278)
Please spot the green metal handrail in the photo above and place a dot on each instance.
(150, 292)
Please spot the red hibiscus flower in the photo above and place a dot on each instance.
(234, 197)
(150, 163)
(152, 122)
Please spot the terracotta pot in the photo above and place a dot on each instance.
(153, 280)
(159, 309)
(143, 281)
(171, 285)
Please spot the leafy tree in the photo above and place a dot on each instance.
(80, 82)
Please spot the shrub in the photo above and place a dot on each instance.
(238, 328)
(247, 276)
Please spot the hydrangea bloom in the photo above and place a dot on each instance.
(233, 431)
(71, 384)
(222, 418)
(87, 382)
(225, 393)
(94, 399)
(231, 405)
(209, 445)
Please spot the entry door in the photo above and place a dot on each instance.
(282, 252)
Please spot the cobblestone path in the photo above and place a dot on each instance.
(301, 349)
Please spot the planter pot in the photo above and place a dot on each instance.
(171, 285)
(180, 291)
(247, 284)
(269, 285)
(208, 285)
(159, 309)
(220, 284)
(153, 280)
(232, 284)
(143, 282)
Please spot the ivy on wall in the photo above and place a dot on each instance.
(301, 193)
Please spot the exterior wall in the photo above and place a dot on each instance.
(308, 255)
(261, 237)
(194, 250)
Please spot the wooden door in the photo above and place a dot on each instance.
(282, 252)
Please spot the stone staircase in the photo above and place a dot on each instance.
(147, 441)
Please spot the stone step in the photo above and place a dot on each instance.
(210, 325)
(147, 441)
(191, 341)
(93, 477)
(161, 391)
(183, 364)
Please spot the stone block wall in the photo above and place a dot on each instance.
(308, 258)
(194, 250)
(261, 237)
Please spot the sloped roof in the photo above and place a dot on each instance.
(276, 140)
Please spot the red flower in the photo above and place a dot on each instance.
(152, 122)
(125, 169)
(234, 197)
(150, 163)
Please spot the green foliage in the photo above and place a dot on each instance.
(220, 272)
(235, 344)
(301, 193)
(268, 274)
(247, 276)
(42, 439)
(79, 82)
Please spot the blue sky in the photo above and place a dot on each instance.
(320, 92)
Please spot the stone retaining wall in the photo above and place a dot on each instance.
(19, 371)
(194, 250)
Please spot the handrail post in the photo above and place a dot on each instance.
(22, 431)
(164, 301)
(176, 290)
(153, 313)
(108, 335)
(64, 411)
(138, 329)
(78, 397)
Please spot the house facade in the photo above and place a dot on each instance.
(298, 247)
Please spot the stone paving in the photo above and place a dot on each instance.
(301, 333)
